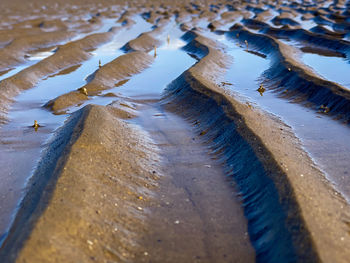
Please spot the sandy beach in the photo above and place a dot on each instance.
(174, 131)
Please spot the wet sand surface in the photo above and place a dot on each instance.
(21, 144)
(174, 131)
(197, 216)
(325, 142)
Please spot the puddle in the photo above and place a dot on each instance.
(34, 58)
(13, 71)
(17, 134)
(327, 141)
(20, 149)
(31, 59)
(106, 25)
(168, 65)
(149, 84)
(331, 68)
(105, 53)
(329, 28)
(305, 24)
(327, 64)
(4, 72)
(20, 144)
(201, 23)
(40, 55)
(60, 84)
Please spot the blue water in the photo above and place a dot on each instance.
(327, 141)
(331, 68)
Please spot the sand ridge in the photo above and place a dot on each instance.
(92, 192)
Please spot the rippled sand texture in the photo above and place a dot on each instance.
(174, 131)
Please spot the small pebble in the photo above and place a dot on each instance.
(90, 242)
(139, 208)
(301, 175)
(177, 222)
(145, 253)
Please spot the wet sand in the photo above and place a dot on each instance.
(197, 210)
(177, 163)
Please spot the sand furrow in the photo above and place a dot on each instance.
(147, 41)
(105, 78)
(14, 52)
(66, 56)
(33, 34)
(92, 214)
(236, 144)
(328, 41)
(95, 194)
(115, 71)
(294, 80)
(267, 176)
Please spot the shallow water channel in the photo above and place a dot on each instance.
(186, 203)
(334, 69)
(326, 140)
(36, 56)
(198, 216)
(21, 145)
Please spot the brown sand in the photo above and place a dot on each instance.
(325, 212)
(99, 195)
(107, 76)
(93, 213)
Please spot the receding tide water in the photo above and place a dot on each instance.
(326, 140)
(21, 145)
(335, 69)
